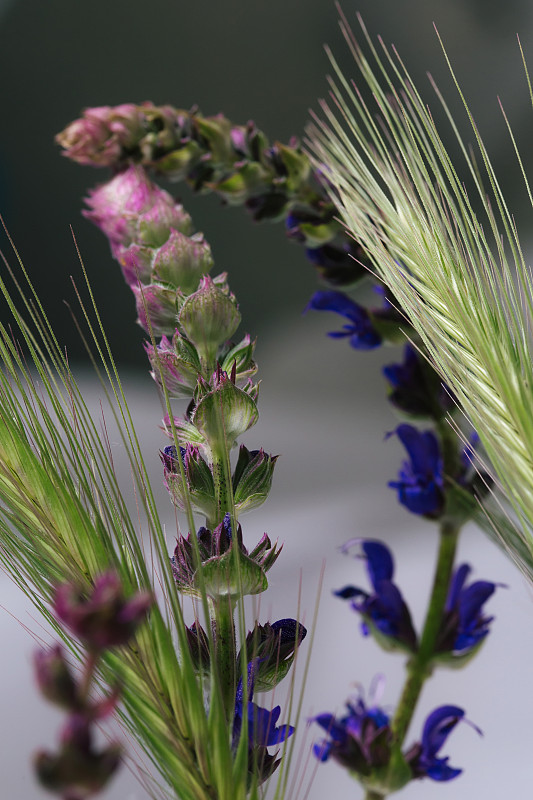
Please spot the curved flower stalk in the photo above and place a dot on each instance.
(236, 162)
(460, 277)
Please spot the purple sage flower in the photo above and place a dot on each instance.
(360, 330)
(360, 740)
(105, 618)
(464, 626)
(384, 611)
(420, 481)
(262, 722)
(422, 757)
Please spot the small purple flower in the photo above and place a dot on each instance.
(416, 388)
(360, 740)
(423, 758)
(263, 731)
(360, 330)
(105, 618)
(464, 626)
(420, 481)
(384, 612)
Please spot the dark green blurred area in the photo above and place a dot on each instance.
(250, 60)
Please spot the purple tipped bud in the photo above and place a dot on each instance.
(199, 489)
(175, 365)
(252, 479)
(273, 648)
(105, 618)
(239, 410)
(240, 358)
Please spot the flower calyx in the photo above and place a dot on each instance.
(385, 614)
(211, 565)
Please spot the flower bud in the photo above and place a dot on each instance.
(273, 647)
(199, 647)
(136, 263)
(199, 489)
(209, 317)
(175, 365)
(237, 406)
(54, 678)
(131, 209)
(240, 359)
(156, 309)
(182, 261)
(252, 478)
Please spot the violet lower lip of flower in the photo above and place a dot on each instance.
(423, 758)
(420, 481)
(360, 330)
(384, 611)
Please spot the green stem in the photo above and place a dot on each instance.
(371, 795)
(419, 667)
(223, 628)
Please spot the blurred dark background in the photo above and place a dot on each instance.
(251, 60)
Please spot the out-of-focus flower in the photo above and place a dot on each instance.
(423, 758)
(420, 481)
(130, 209)
(156, 309)
(464, 625)
(416, 388)
(360, 329)
(105, 618)
(384, 612)
(79, 769)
